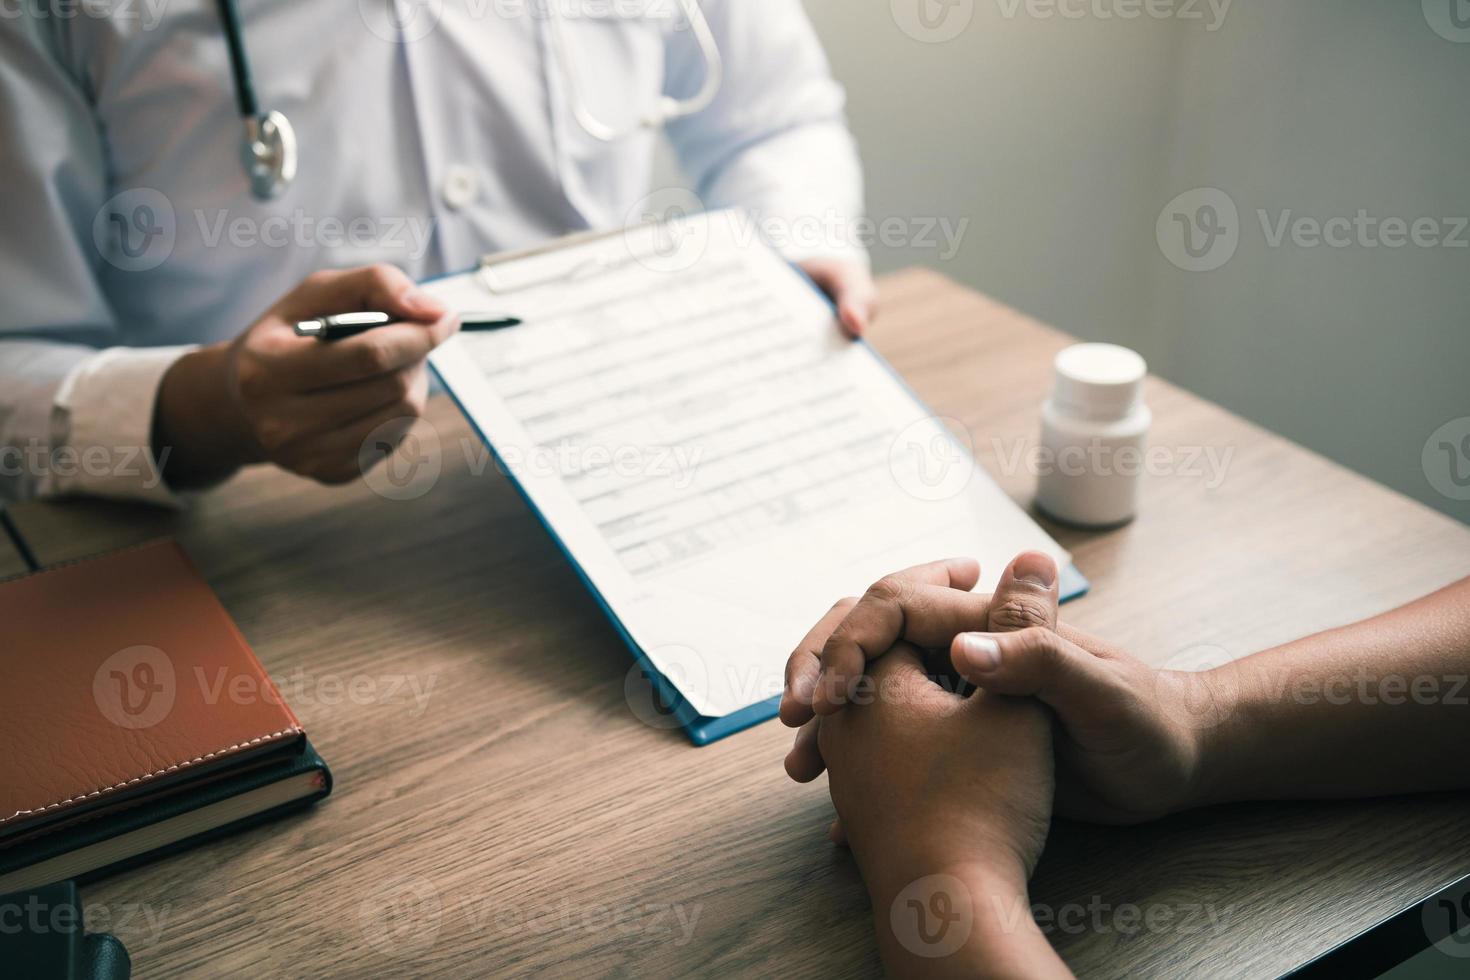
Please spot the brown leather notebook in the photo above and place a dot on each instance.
(134, 719)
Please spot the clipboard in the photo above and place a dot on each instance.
(588, 256)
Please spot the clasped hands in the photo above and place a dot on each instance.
(950, 723)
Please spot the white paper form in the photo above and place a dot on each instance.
(720, 461)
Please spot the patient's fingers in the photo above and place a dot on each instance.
(926, 604)
(804, 664)
(1037, 662)
(1026, 594)
(900, 673)
(804, 761)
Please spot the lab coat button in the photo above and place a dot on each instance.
(461, 186)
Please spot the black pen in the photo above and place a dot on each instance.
(350, 324)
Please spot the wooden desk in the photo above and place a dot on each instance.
(525, 820)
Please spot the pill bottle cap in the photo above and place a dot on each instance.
(1098, 381)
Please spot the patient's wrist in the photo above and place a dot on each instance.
(950, 900)
(969, 918)
(1224, 752)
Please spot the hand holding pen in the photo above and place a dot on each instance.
(267, 396)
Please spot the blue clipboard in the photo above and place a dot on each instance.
(701, 729)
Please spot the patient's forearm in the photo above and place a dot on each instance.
(1378, 707)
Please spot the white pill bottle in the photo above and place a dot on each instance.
(1094, 437)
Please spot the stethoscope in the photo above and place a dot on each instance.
(269, 148)
(667, 109)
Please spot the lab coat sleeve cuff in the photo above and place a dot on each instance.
(106, 405)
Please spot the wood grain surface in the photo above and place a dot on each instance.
(501, 809)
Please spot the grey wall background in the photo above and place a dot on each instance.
(1062, 138)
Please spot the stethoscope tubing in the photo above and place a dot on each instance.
(229, 15)
(269, 151)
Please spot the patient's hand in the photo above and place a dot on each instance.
(946, 802)
(974, 772)
(1125, 748)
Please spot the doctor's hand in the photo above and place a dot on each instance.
(307, 406)
(850, 287)
(946, 802)
(1128, 740)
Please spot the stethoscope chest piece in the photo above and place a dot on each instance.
(269, 154)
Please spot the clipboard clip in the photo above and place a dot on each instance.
(495, 275)
(495, 281)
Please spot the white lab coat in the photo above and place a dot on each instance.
(425, 141)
